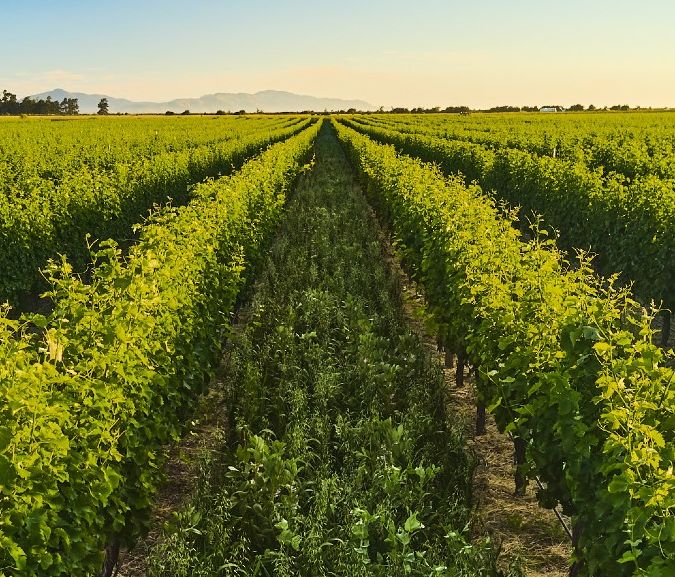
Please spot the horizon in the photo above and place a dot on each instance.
(480, 55)
(597, 108)
(60, 88)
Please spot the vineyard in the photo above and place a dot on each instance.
(148, 263)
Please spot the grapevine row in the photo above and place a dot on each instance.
(36, 153)
(630, 227)
(94, 391)
(636, 149)
(564, 361)
(54, 218)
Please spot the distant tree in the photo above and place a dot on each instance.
(27, 106)
(220, 112)
(504, 109)
(69, 106)
(103, 107)
(9, 103)
(400, 110)
(185, 113)
(422, 110)
(169, 113)
(576, 108)
(351, 111)
(530, 109)
(8, 97)
(457, 109)
(240, 112)
(591, 107)
(48, 106)
(43, 106)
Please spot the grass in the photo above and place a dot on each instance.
(341, 458)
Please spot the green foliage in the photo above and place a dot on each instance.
(627, 218)
(565, 360)
(58, 184)
(342, 461)
(92, 393)
(103, 106)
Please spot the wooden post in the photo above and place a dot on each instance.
(480, 407)
(459, 374)
(518, 460)
(577, 529)
(112, 554)
(480, 419)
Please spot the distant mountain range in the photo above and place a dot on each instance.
(267, 101)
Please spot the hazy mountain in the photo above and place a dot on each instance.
(267, 101)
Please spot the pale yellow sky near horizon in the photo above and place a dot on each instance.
(395, 53)
(480, 84)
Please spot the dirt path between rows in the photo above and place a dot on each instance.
(208, 432)
(529, 536)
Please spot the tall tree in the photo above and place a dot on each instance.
(73, 106)
(27, 105)
(103, 106)
(69, 106)
(8, 104)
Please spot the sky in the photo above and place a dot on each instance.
(427, 53)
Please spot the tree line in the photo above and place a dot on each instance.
(507, 108)
(10, 104)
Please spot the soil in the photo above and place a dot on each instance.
(205, 434)
(529, 536)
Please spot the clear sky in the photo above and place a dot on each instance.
(391, 53)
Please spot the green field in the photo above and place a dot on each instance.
(149, 262)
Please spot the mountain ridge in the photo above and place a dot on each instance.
(264, 100)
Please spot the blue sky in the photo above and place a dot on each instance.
(425, 52)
